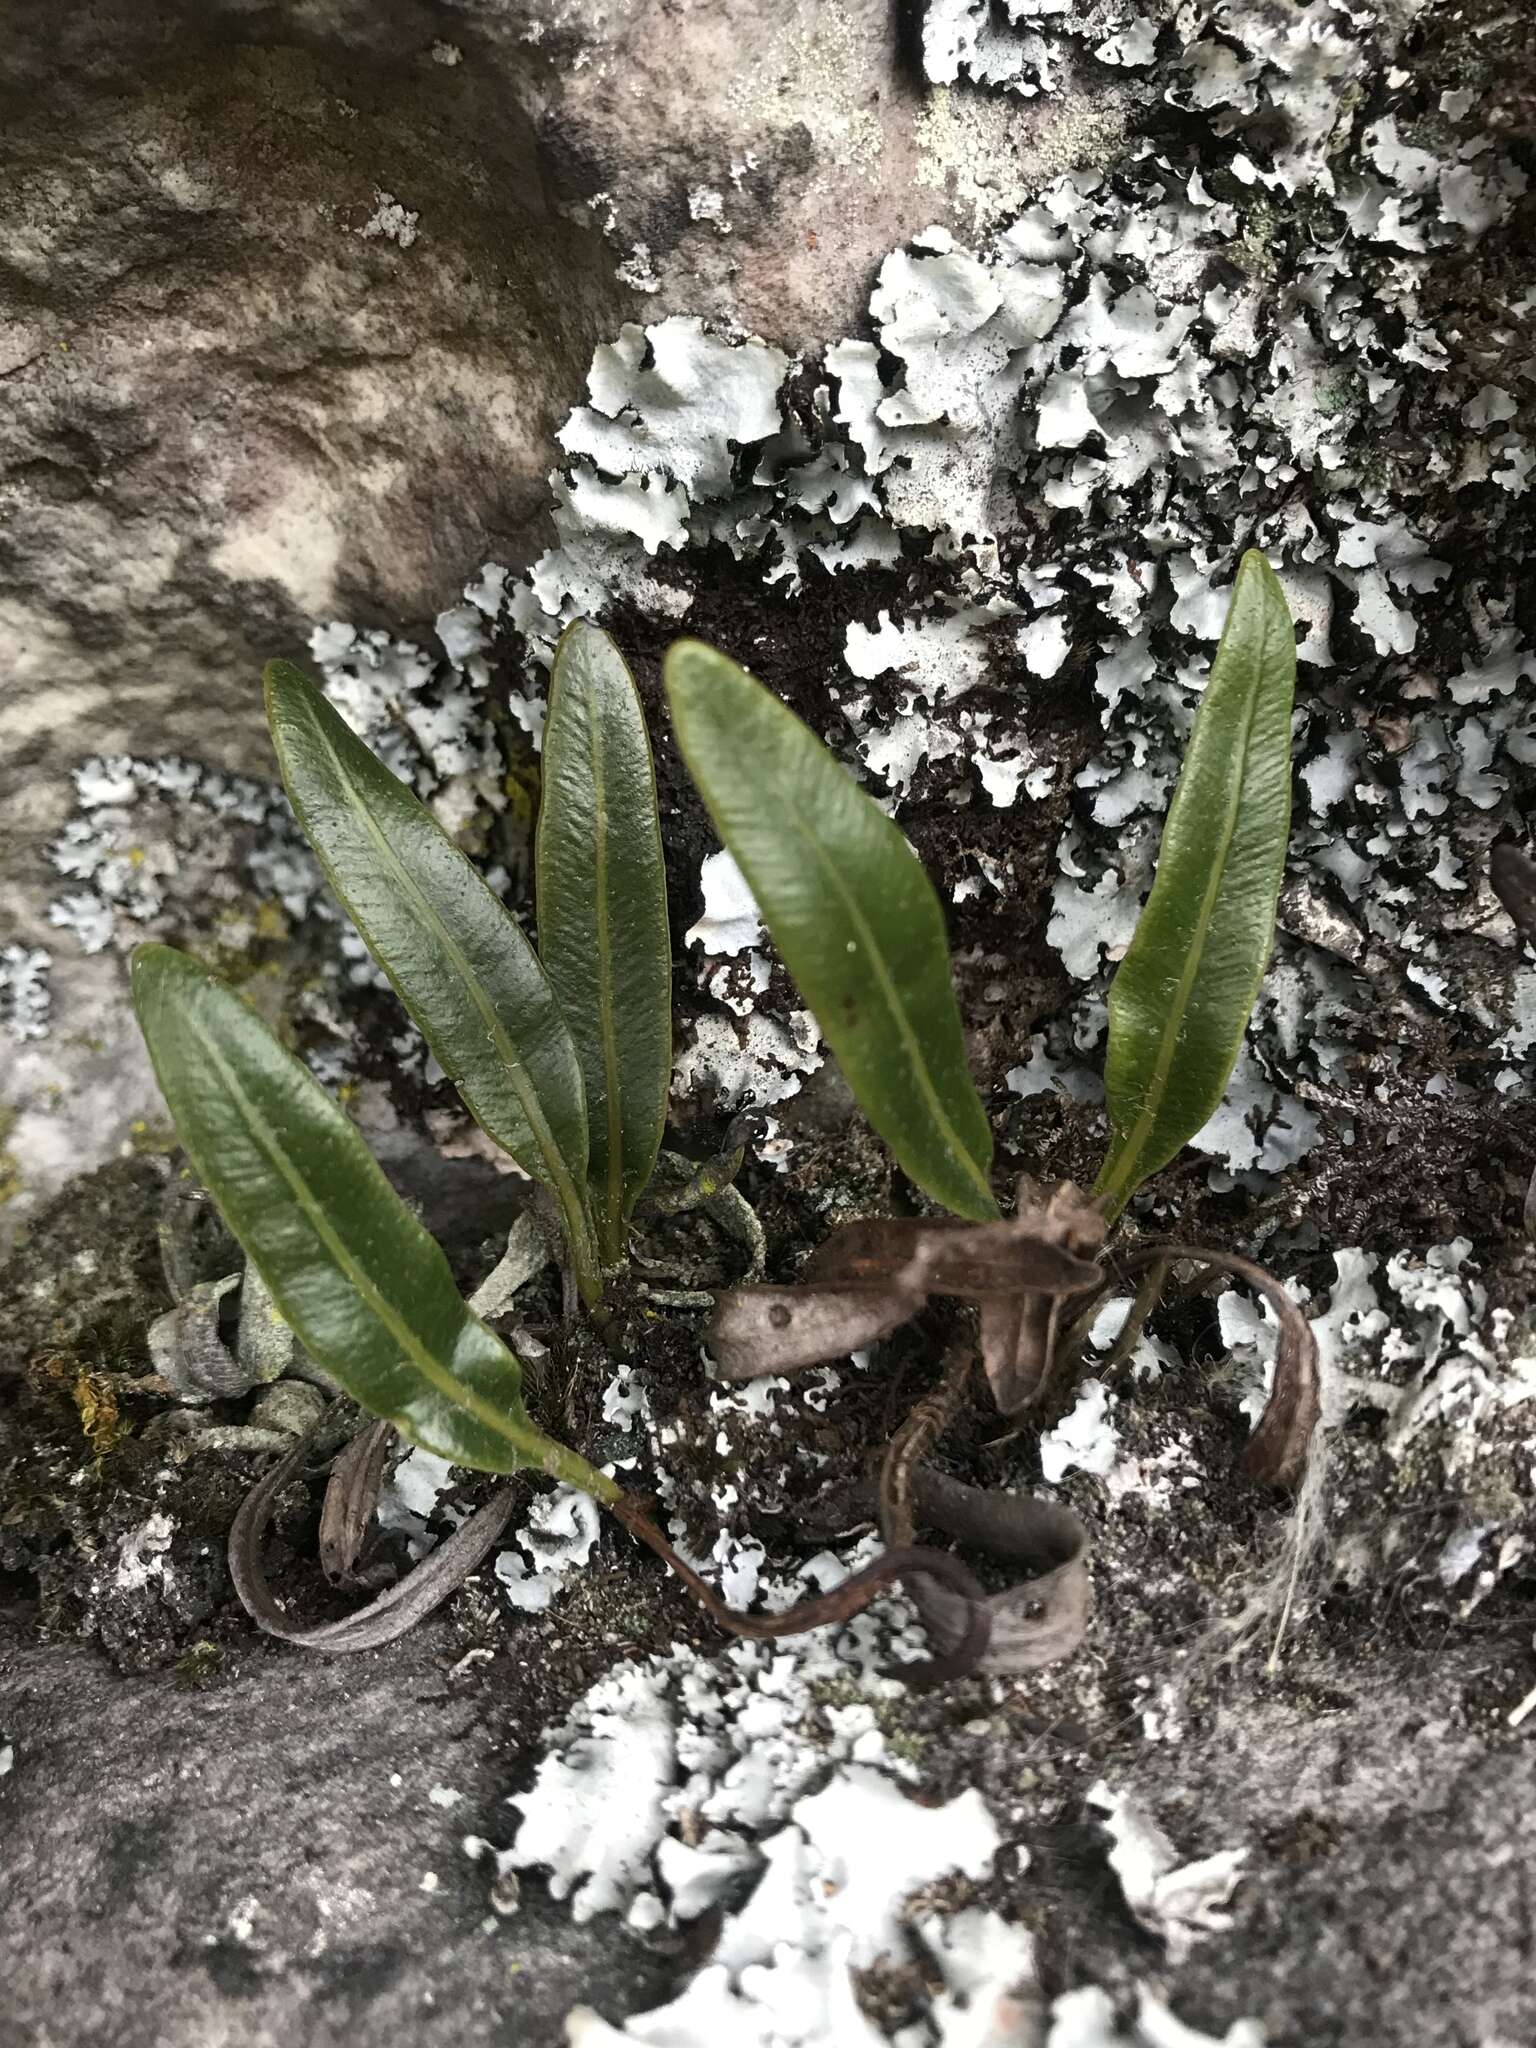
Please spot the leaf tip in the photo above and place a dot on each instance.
(577, 639)
(284, 675)
(284, 689)
(1255, 567)
(151, 958)
(690, 665)
(157, 985)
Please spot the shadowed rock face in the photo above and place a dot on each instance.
(232, 404)
(243, 389)
(244, 1859)
(292, 299)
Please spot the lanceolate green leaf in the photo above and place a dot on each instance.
(1181, 999)
(850, 910)
(453, 951)
(353, 1273)
(602, 898)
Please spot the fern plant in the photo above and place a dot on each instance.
(861, 930)
(563, 1054)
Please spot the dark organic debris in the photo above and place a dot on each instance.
(1277, 1451)
(355, 1480)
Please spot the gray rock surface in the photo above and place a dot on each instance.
(246, 1862)
(246, 381)
(1390, 1868)
(287, 316)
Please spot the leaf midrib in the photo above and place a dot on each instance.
(613, 1107)
(1168, 1041)
(959, 1152)
(517, 1074)
(523, 1441)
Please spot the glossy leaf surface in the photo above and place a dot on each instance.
(451, 948)
(367, 1291)
(1181, 1000)
(851, 912)
(602, 902)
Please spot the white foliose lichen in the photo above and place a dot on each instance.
(390, 220)
(760, 1783)
(554, 1542)
(1178, 1902)
(25, 1003)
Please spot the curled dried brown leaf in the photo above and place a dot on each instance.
(1020, 1332)
(1032, 1623)
(873, 1275)
(1006, 1259)
(943, 1255)
(909, 1565)
(1043, 1616)
(351, 1495)
(395, 1610)
(1277, 1451)
(762, 1330)
(1018, 1349)
(188, 1349)
(879, 1251)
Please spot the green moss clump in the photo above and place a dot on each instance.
(198, 1667)
(904, 1741)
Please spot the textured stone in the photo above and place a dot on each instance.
(230, 407)
(245, 1859)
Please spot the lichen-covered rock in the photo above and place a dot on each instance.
(949, 412)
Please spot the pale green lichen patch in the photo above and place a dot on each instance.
(10, 1166)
